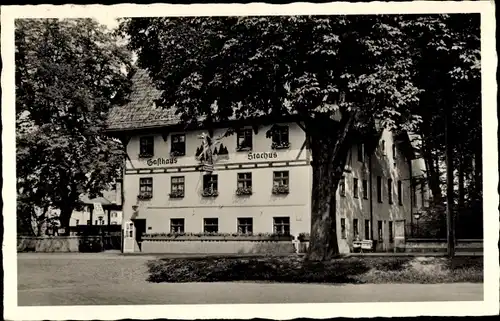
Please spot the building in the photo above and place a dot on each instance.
(111, 203)
(258, 184)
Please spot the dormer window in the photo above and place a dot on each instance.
(178, 147)
(146, 148)
(280, 137)
(244, 140)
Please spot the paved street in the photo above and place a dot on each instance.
(111, 279)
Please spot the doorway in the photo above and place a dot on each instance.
(140, 229)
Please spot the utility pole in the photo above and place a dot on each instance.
(449, 182)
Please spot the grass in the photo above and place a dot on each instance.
(293, 269)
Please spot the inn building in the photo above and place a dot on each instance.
(256, 184)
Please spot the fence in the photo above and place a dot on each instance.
(464, 229)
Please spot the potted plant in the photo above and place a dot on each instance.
(209, 192)
(281, 189)
(145, 195)
(176, 153)
(241, 191)
(176, 194)
(281, 145)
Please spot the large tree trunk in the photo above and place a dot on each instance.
(329, 143)
(433, 175)
(65, 217)
(461, 183)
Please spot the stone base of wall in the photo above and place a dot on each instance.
(218, 247)
(438, 246)
(51, 244)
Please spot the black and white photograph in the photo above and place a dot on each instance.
(203, 158)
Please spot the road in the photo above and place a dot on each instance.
(110, 279)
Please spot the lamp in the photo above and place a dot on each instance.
(417, 216)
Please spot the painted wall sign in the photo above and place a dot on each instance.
(161, 161)
(263, 155)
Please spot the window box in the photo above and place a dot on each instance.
(243, 149)
(145, 155)
(176, 194)
(281, 189)
(176, 153)
(145, 196)
(207, 192)
(241, 191)
(282, 145)
(214, 236)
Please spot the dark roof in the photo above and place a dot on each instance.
(141, 111)
(107, 198)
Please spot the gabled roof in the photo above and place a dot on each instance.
(107, 198)
(141, 111)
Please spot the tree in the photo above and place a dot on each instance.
(448, 72)
(68, 74)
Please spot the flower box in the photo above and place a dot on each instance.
(242, 191)
(281, 189)
(145, 155)
(244, 149)
(209, 193)
(175, 153)
(283, 145)
(176, 194)
(216, 237)
(144, 196)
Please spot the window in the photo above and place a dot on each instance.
(361, 152)
(77, 222)
(211, 225)
(178, 147)
(379, 189)
(389, 190)
(177, 225)
(146, 146)
(414, 192)
(367, 229)
(280, 137)
(400, 193)
(355, 227)
(380, 234)
(342, 186)
(145, 187)
(177, 187)
(282, 225)
(88, 222)
(355, 187)
(281, 182)
(342, 228)
(391, 233)
(245, 225)
(96, 222)
(244, 140)
(244, 180)
(244, 184)
(365, 189)
(210, 183)
(394, 155)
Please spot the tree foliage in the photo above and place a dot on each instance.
(68, 74)
(355, 69)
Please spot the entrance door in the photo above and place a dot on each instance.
(140, 229)
(399, 235)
